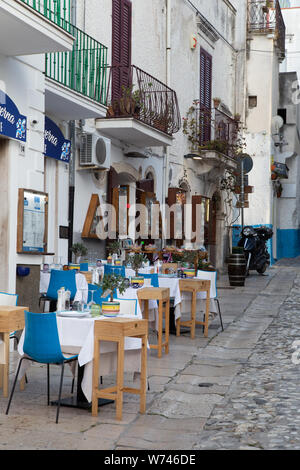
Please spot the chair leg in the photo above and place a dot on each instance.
(60, 389)
(17, 341)
(14, 386)
(220, 315)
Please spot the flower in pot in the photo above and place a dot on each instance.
(79, 250)
(109, 284)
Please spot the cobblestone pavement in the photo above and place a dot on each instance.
(236, 389)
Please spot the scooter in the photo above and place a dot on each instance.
(253, 241)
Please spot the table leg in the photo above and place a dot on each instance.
(120, 379)
(6, 365)
(193, 314)
(167, 325)
(95, 378)
(160, 327)
(1, 375)
(143, 375)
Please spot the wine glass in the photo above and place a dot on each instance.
(91, 302)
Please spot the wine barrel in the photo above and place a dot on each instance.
(237, 269)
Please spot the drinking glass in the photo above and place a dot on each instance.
(91, 302)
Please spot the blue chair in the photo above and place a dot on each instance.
(41, 345)
(117, 270)
(153, 277)
(58, 279)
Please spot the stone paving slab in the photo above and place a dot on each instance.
(236, 389)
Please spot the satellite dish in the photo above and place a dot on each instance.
(277, 124)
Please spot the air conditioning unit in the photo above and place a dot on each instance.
(95, 151)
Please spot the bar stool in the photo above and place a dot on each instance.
(162, 295)
(194, 286)
(116, 329)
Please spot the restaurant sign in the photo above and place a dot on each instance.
(55, 144)
(12, 123)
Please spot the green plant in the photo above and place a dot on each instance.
(114, 247)
(111, 282)
(205, 265)
(79, 249)
(136, 260)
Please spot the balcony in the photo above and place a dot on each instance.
(141, 110)
(265, 17)
(213, 136)
(34, 26)
(76, 81)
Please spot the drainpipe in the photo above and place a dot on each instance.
(168, 83)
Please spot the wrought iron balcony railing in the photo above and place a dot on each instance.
(211, 129)
(57, 11)
(83, 69)
(266, 17)
(131, 92)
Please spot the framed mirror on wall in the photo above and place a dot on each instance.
(32, 229)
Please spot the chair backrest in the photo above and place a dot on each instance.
(84, 266)
(60, 279)
(128, 307)
(9, 300)
(212, 277)
(167, 267)
(117, 270)
(153, 277)
(41, 341)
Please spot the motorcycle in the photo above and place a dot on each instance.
(253, 241)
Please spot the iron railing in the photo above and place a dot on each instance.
(213, 130)
(131, 92)
(83, 69)
(57, 11)
(266, 17)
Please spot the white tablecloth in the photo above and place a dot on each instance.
(77, 335)
(81, 285)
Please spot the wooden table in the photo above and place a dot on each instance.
(162, 295)
(194, 286)
(116, 329)
(11, 319)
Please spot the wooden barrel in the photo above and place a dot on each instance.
(237, 269)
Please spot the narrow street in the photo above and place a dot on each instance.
(237, 389)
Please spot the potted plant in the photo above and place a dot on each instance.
(78, 249)
(136, 261)
(109, 284)
(114, 248)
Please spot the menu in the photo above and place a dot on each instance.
(34, 222)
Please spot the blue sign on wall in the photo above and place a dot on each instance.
(56, 146)
(12, 123)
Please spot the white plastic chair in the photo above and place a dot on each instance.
(128, 307)
(212, 277)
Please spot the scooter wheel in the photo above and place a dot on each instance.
(263, 269)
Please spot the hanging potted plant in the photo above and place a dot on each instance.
(136, 261)
(78, 249)
(109, 284)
